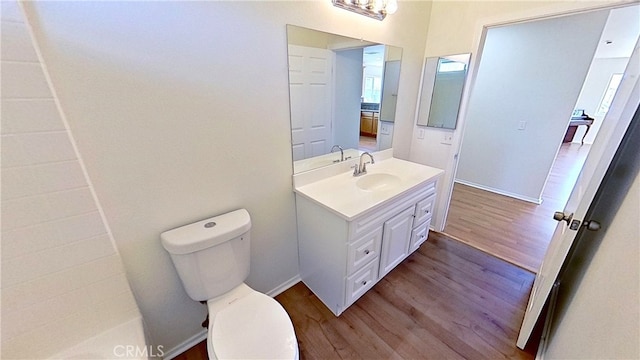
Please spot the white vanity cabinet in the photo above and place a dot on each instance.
(341, 258)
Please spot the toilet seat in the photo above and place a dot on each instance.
(252, 326)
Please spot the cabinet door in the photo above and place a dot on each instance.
(366, 123)
(395, 240)
(374, 125)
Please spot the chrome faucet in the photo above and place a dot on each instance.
(361, 169)
(341, 152)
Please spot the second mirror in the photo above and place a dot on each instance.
(442, 86)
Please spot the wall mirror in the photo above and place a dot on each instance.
(442, 85)
(342, 94)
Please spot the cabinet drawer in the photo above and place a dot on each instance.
(424, 209)
(419, 235)
(363, 250)
(361, 281)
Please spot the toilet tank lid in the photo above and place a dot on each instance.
(206, 233)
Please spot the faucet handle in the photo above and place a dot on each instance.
(356, 169)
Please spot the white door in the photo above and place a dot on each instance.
(310, 86)
(602, 151)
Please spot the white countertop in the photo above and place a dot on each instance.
(339, 193)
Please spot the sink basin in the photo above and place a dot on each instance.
(376, 182)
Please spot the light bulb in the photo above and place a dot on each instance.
(392, 6)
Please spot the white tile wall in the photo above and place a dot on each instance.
(62, 280)
(16, 44)
(20, 116)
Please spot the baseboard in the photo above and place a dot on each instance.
(284, 286)
(185, 345)
(536, 201)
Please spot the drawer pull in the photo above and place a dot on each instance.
(366, 252)
(364, 283)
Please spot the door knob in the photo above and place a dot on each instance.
(561, 216)
(591, 225)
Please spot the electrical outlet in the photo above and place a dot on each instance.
(421, 133)
(447, 139)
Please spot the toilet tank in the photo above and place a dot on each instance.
(211, 256)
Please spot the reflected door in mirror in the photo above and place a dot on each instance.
(390, 90)
(310, 86)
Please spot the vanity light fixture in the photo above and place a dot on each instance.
(376, 9)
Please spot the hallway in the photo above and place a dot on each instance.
(511, 229)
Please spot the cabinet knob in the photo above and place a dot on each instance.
(364, 283)
(366, 252)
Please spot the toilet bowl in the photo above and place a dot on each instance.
(246, 324)
(212, 259)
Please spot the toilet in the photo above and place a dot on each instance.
(212, 258)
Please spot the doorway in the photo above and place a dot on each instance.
(514, 230)
(372, 78)
(506, 223)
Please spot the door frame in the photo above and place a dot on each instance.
(483, 25)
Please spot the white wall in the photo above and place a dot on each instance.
(530, 72)
(62, 279)
(601, 318)
(595, 85)
(455, 28)
(181, 111)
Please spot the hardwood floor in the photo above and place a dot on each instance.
(514, 230)
(368, 143)
(445, 301)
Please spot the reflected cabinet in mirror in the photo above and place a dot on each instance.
(442, 85)
(343, 94)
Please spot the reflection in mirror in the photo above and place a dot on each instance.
(343, 94)
(442, 86)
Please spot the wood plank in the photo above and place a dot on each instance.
(510, 229)
(446, 301)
